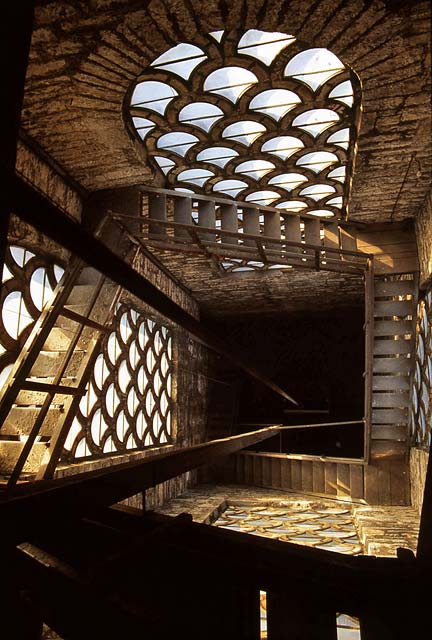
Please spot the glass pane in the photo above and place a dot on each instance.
(316, 121)
(282, 146)
(230, 82)
(263, 45)
(153, 95)
(288, 181)
(274, 102)
(181, 59)
(220, 156)
(314, 67)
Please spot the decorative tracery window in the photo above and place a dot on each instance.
(421, 400)
(28, 282)
(128, 402)
(258, 117)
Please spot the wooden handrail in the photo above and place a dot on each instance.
(235, 234)
(31, 508)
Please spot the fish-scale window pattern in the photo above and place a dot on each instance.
(421, 399)
(28, 283)
(128, 402)
(257, 118)
(313, 524)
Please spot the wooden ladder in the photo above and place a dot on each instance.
(37, 403)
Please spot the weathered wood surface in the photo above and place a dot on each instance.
(36, 507)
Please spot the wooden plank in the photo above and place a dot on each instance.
(229, 221)
(257, 470)
(276, 473)
(371, 491)
(397, 263)
(356, 481)
(343, 480)
(399, 482)
(157, 211)
(251, 224)
(286, 479)
(349, 242)
(384, 489)
(249, 469)
(390, 416)
(292, 231)
(393, 308)
(392, 365)
(312, 233)
(390, 383)
(388, 448)
(318, 477)
(239, 468)
(393, 327)
(330, 474)
(391, 400)
(307, 476)
(386, 347)
(296, 475)
(393, 287)
(331, 235)
(272, 225)
(387, 432)
(266, 472)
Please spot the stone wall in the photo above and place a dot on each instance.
(44, 178)
(424, 241)
(418, 466)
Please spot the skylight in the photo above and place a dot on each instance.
(250, 116)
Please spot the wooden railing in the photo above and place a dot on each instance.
(257, 236)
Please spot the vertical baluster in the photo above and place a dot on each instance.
(157, 211)
(207, 218)
(251, 224)
(183, 215)
(331, 238)
(272, 229)
(293, 233)
(312, 235)
(229, 222)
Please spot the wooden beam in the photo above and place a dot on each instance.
(32, 508)
(35, 209)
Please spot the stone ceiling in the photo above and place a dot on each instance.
(85, 56)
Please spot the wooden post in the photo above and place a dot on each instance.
(157, 211)
(206, 218)
(251, 224)
(229, 222)
(292, 232)
(182, 214)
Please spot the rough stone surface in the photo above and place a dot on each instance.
(424, 241)
(39, 174)
(382, 530)
(418, 466)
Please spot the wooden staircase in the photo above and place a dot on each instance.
(382, 476)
